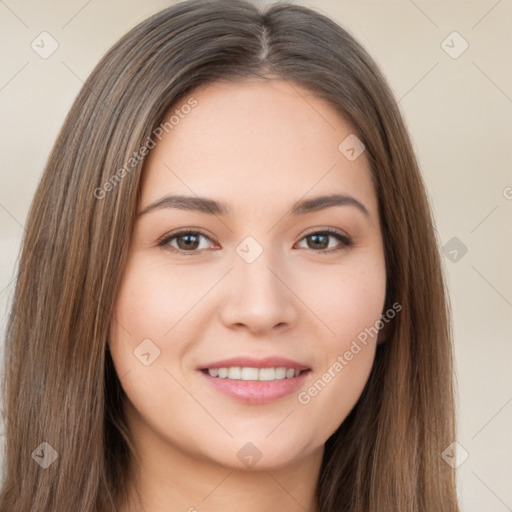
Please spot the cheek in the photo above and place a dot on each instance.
(350, 302)
(150, 311)
(153, 314)
(351, 307)
(139, 316)
(347, 356)
(153, 299)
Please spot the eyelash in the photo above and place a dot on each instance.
(346, 241)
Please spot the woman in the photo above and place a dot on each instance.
(230, 293)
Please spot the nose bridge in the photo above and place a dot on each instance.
(258, 296)
(255, 269)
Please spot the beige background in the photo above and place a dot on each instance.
(459, 112)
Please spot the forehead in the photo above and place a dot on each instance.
(253, 143)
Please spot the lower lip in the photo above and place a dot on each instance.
(257, 391)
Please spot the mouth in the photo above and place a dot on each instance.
(254, 381)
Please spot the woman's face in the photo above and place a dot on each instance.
(250, 282)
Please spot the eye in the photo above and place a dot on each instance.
(320, 240)
(188, 241)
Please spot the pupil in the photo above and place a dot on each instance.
(187, 244)
(320, 236)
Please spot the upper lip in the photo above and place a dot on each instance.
(250, 362)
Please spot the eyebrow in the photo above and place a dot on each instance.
(213, 207)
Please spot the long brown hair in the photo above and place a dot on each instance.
(60, 386)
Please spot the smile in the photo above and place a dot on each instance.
(256, 386)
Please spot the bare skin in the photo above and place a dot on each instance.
(259, 147)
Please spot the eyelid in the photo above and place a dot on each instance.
(326, 230)
(182, 231)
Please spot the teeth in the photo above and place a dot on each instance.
(249, 374)
(267, 374)
(246, 373)
(235, 373)
(280, 373)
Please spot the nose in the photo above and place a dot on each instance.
(259, 298)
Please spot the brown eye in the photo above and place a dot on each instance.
(319, 240)
(189, 242)
(186, 241)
